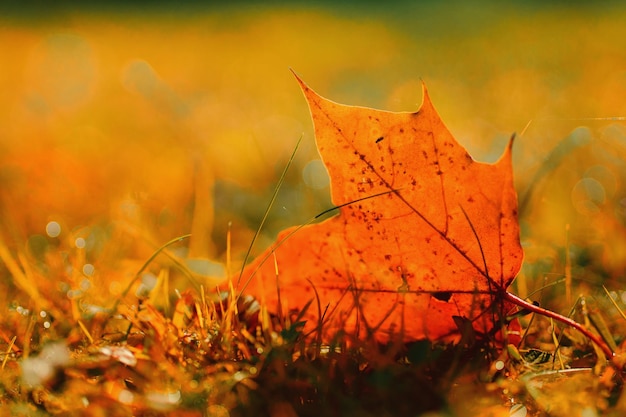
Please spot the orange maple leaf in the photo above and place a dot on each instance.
(425, 234)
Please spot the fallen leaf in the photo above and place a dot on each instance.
(425, 235)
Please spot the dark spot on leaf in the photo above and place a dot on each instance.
(443, 295)
(379, 139)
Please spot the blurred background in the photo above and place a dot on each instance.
(129, 124)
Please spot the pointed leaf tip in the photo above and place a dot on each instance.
(425, 95)
(302, 84)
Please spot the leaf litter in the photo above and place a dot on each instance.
(397, 306)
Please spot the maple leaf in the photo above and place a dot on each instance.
(426, 236)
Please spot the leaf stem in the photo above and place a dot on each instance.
(565, 320)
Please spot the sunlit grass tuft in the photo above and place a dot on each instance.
(205, 352)
(210, 351)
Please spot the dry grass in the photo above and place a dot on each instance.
(74, 350)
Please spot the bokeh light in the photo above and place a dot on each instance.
(80, 243)
(315, 175)
(53, 229)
